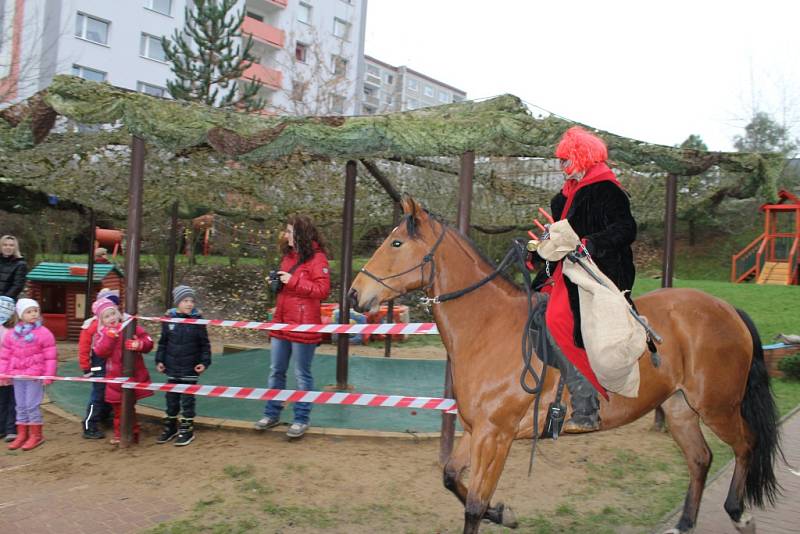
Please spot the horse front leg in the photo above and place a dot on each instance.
(488, 453)
(453, 480)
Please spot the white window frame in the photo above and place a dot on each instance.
(79, 70)
(309, 10)
(428, 91)
(150, 4)
(343, 61)
(412, 103)
(388, 78)
(337, 22)
(142, 86)
(412, 84)
(337, 99)
(85, 24)
(145, 46)
(444, 98)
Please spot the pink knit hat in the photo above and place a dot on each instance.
(101, 305)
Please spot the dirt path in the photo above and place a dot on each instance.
(245, 481)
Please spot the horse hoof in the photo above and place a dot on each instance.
(509, 518)
(746, 524)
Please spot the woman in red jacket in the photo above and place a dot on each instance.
(304, 283)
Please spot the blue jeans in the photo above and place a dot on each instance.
(282, 351)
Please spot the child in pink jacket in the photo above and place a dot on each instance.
(108, 345)
(29, 349)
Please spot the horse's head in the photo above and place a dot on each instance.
(403, 261)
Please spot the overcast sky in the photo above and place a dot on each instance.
(655, 71)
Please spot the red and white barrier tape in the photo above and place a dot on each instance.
(333, 328)
(286, 395)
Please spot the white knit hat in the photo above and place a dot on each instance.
(24, 304)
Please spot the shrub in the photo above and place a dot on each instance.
(790, 366)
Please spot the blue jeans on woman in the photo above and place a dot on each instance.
(282, 352)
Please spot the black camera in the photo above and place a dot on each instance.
(275, 283)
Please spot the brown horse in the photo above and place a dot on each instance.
(712, 368)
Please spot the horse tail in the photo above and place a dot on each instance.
(761, 415)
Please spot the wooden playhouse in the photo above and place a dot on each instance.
(60, 289)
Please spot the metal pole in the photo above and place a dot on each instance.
(87, 308)
(346, 263)
(670, 215)
(387, 348)
(173, 250)
(135, 194)
(465, 178)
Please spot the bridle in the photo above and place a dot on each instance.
(428, 258)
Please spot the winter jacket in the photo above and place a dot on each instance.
(299, 300)
(600, 214)
(182, 346)
(110, 348)
(35, 357)
(88, 331)
(12, 276)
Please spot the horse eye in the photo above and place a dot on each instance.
(396, 243)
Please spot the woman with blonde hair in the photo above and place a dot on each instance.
(12, 268)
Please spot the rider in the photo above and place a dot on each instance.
(598, 209)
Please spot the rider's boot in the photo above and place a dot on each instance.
(585, 404)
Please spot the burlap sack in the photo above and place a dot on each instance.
(561, 242)
(614, 341)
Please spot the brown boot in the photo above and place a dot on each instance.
(34, 437)
(22, 436)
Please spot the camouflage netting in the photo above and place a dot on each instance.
(183, 133)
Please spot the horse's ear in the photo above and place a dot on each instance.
(410, 207)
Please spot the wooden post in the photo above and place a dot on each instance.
(346, 266)
(465, 179)
(135, 194)
(173, 250)
(670, 215)
(87, 305)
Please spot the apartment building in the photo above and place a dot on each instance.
(309, 53)
(389, 88)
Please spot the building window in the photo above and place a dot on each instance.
(375, 71)
(337, 104)
(412, 85)
(389, 78)
(151, 47)
(339, 65)
(88, 74)
(341, 28)
(412, 103)
(91, 29)
(301, 52)
(304, 13)
(255, 16)
(162, 6)
(428, 91)
(152, 90)
(444, 97)
(299, 90)
(458, 98)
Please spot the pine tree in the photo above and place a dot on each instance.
(208, 60)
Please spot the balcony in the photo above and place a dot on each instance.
(270, 78)
(263, 33)
(270, 5)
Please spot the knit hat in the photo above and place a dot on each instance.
(101, 305)
(6, 309)
(182, 292)
(24, 304)
(110, 294)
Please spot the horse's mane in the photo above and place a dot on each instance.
(413, 232)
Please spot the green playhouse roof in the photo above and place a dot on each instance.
(63, 272)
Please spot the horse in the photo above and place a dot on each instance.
(711, 369)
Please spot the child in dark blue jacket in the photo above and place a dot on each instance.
(184, 353)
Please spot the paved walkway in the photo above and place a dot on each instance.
(783, 518)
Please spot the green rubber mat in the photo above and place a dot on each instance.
(423, 378)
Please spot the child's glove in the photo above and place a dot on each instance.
(87, 373)
(133, 344)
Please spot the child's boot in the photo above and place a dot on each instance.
(170, 429)
(35, 437)
(186, 433)
(22, 437)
